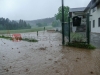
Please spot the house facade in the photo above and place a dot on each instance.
(95, 16)
(94, 9)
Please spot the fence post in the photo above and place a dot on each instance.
(69, 28)
(88, 29)
(63, 36)
(37, 33)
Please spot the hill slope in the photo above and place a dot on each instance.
(45, 20)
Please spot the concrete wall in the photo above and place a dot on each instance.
(95, 16)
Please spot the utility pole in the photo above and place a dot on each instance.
(63, 40)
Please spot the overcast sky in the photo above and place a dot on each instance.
(35, 9)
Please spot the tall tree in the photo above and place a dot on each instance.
(6, 24)
(59, 14)
(56, 24)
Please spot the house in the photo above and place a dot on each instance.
(94, 9)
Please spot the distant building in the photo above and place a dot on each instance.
(78, 12)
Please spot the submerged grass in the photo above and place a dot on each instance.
(82, 45)
(4, 37)
(30, 40)
(26, 39)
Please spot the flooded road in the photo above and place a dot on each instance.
(46, 57)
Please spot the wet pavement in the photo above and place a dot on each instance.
(46, 57)
(95, 39)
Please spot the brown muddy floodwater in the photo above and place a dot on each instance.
(46, 57)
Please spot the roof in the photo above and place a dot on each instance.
(80, 9)
(88, 6)
(95, 3)
(92, 4)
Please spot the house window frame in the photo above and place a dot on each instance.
(99, 22)
(94, 9)
(90, 25)
(93, 23)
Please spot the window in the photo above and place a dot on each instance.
(90, 25)
(94, 9)
(93, 23)
(98, 22)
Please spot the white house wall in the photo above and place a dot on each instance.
(95, 16)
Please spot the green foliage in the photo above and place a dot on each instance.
(59, 14)
(6, 24)
(56, 24)
(81, 45)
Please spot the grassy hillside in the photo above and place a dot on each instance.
(48, 21)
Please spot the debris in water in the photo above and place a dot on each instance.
(53, 68)
(60, 45)
(56, 62)
(62, 57)
(26, 70)
(10, 67)
(91, 72)
(6, 70)
(50, 59)
(76, 60)
(42, 48)
(57, 71)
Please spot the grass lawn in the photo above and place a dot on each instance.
(25, 30)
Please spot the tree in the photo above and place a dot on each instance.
(39, 24)
(56, 24)
(44, 24)
(59, 14)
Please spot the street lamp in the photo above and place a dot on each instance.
(63, 41)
